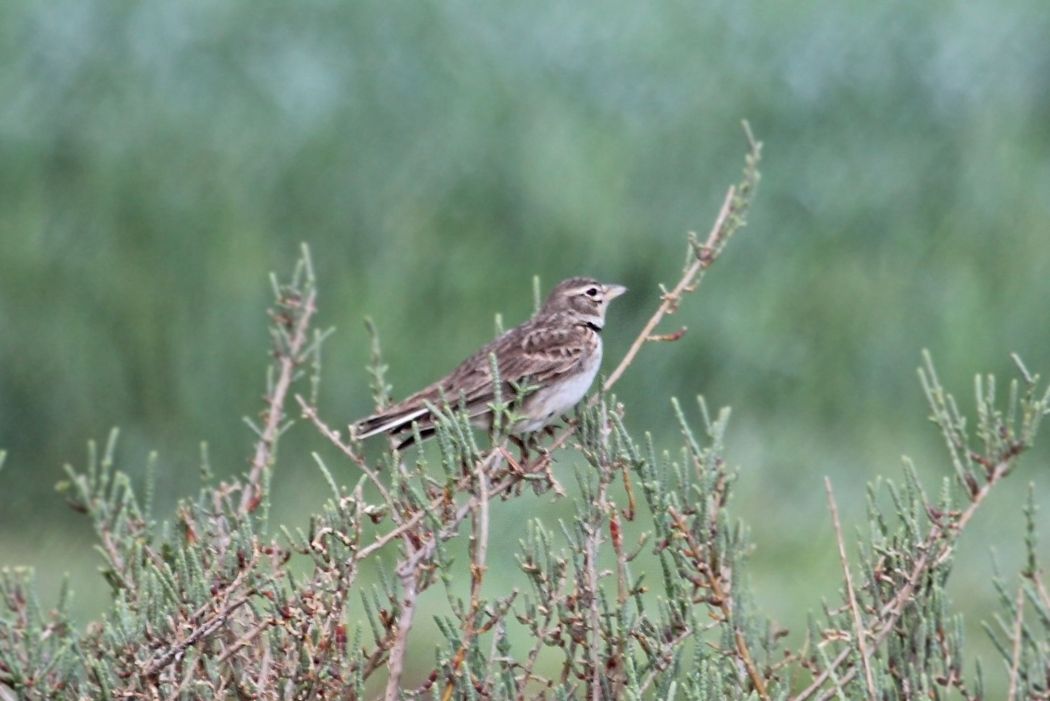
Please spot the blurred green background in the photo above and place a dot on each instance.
(158, 159)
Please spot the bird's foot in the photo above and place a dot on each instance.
(523, 448)
(544, 465)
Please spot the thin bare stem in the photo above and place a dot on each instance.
(479, 549)
(685, 284)
(1018, 634)
(616, 535)
(534, 653)
(1040, 588)
(288, 360)
(938, 544)
(742, 649)
(730, 218)
(334, 438)
(396, 663)
(590, 555)
(409, 568)
(858, 625)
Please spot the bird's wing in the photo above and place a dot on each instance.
(544, 354)
(534, 354)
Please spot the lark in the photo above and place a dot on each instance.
(548, 363)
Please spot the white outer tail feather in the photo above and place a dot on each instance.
(392, 424)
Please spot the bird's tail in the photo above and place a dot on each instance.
(391, 421)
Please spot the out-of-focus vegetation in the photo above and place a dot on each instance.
(156, 159)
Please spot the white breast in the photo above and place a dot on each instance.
(547, 404)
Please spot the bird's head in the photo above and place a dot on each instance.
(584, 298)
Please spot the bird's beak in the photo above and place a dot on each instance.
(613, 291)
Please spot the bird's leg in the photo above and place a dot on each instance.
(514, 465)
(541, 465)
(523, 446)
(549, 474)
(544, 464)
(515, 468)
(546, 457)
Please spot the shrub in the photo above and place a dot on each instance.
(642, 593)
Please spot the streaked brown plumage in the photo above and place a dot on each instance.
(557, 352)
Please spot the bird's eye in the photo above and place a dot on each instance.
(592, 292)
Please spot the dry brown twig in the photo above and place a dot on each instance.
(479, 549)
(858, 625)
(590, 558)
(288, 360)
(335, 439)
(396, 661)
(1018, 633)
(725, 225)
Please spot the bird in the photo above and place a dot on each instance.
(545, 366)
